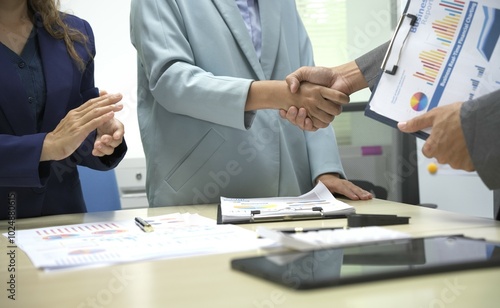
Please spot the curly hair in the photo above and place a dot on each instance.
(53, 23)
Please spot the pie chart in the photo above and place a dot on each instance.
(419, 101)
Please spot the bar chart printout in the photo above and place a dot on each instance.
(451, 53)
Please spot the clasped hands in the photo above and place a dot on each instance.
(95, 114)
(337, 79)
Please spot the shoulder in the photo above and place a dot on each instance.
(82, 26)
(76, 23)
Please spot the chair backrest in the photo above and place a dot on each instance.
(100, 189)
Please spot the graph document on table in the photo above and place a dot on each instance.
(443, 51)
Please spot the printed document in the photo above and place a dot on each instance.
(444, 51)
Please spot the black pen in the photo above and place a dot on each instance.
(144, 225)
(300, 230)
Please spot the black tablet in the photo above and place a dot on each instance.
(374, 261)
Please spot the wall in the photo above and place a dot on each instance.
(115, 61)
(116, 71)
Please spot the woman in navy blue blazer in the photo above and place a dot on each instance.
(52, 117)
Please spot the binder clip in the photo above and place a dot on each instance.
(393, 70)
(258, 216)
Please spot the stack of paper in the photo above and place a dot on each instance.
(330, 238)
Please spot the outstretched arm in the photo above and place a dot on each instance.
(347, 78)
(321, 103)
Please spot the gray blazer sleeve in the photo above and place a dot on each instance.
(481, 126)
(370, 64)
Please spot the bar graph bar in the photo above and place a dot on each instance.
(475, 84)
(453, 7)
(480, 71)
(446, 28)
(432, 61)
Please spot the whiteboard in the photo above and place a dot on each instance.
(453, 190)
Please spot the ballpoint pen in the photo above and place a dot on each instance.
(300, 229)
(144, 225)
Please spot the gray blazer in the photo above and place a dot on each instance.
(481, 126)
(480, 123)
(196, 63)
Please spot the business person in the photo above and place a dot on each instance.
(208, 73)
(465, 135)
(52, 118)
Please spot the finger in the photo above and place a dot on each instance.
(101, 101)
(318, 123)
(355, 192)
(101, 149)
(293, 82)
(96, 121)
(428, 148)
(363, 194)
(118, 130)
(291, 115)
(331, 108)
(308, 126)
(109, 141)
(98, 116)
(321, 115)
(301, 117)
(418, 123)
(282, 114)
(348, 192)
(335, 96)
(119, 134)
(333, 101)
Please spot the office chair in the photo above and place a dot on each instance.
(381, 193)
(100, 189)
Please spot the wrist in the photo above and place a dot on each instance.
(46, 149)
(353, 76)
(268, 94)
(325, 176)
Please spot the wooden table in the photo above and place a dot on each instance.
(208, 281)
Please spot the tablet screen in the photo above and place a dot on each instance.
(374, 261)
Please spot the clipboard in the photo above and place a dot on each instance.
(441, 52)
(316, 213)
(318, 203)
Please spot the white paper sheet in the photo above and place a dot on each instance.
(451, 54)
(175, 235)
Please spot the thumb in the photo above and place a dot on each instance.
(293, 81)
(416, 124)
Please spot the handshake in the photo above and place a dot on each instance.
(334, 85)
(446, 143)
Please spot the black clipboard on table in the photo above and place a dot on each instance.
(441, 52)
(318, 203)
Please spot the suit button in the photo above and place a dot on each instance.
(21, 64)
(31, 100)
